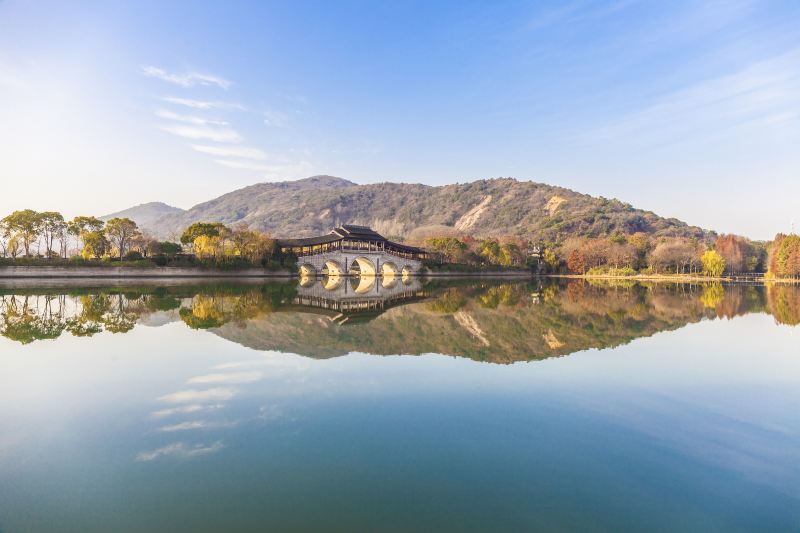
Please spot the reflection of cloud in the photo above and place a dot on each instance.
(195, 395)
(196, 424)
(192, 408)
(189, 79)
(181, 451)
(236, 377)
(270, 412)
(223, 135)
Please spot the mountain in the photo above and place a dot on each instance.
(146, 215)
(491, 207)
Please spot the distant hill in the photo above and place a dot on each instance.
(492, 207)
(146, 215)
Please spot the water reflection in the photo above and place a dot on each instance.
(328, 316)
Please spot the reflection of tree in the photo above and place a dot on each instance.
(215, 308)
(713, 294)
(498, 322)
(29, 318)
(507, 294)
(449, 301)
(784, 303)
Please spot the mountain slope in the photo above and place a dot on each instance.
(492, 207)
(146, 215)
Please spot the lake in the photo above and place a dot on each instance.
(396, 405)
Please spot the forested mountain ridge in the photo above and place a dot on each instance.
(490, 208)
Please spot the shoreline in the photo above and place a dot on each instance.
(677, 278)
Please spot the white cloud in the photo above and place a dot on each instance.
(231, 151)
(189, 79)
(194, 395)
(275, 118)
(192, 408)
(189, 119)
(242, 165)
(181, 451)
(202, 104)
(232, 377)
(222, 135)
(289, 170)
(756, 98)
(196, 424)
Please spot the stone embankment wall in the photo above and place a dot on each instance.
(24, 272)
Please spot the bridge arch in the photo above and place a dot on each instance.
(307, 281)
(332, 268)
(331, 282)
(407, 271)
(307, 270)
(365, 284)
(364, 267)
(389, 269)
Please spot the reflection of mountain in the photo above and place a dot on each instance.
(486, 321)
(498, 323)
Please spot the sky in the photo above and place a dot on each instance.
(689, 109)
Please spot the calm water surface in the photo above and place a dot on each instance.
(352, 405)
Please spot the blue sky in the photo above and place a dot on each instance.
(690, 109)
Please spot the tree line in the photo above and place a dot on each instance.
(28, 234)
(628, 254)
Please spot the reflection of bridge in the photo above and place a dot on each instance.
(353, 250)
(361, 295)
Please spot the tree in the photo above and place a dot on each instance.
(551, 260)
(80, 225)
(450, 248)
(95, 244)
(735, 251)
(120, 231)
(206, 229)
(713, 263)
(784, 257)
(163, 248)
(26, 225)
(576, 261)
(51, 226)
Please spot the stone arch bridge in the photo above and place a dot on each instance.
(351, 250)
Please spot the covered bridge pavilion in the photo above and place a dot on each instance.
(349, 237)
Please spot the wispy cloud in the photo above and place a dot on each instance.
(184, 409)
(189, 119)
(196, 424)
(277, 170)
(758, 97)
(222, 135)
(189, 79)
(218, 394)
(203, 104)
(242, 165)
(181, 451)
(275, 118)
(231, 151)
(232, 377)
